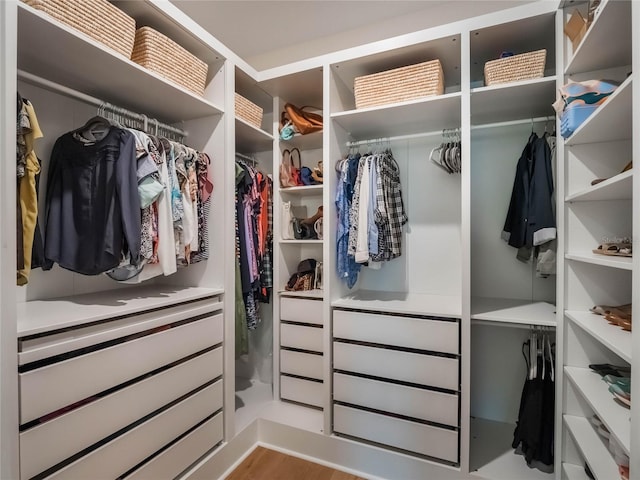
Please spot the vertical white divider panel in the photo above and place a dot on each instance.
(635, 275)
(560, 187)
(465, 241)
(8, 325)
(278, 281)
(327, 264)
(229, 253)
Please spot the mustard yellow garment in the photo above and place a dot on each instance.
(28, 195)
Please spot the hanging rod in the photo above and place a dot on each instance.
(246, 157)
(356, 143)
(513, 122)
(83, 97)
(507, 324)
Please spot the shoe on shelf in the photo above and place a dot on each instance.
(624, 472)
(614, 380)
(609, 369)
(628, 166)
(607, 309)
(601, 429)
(615, 249)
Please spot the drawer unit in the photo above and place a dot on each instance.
(428, 370)
(397, 399)
(302, 364)
(301, 337)
(415, 437)
(41, 448)
(175, 459)
(128, 450)
(406, 332)
(303, 391)
(301, 310)
(77, 378)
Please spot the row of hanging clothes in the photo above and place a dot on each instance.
(448, 155)
(370, 212)
(533, 436)
(123, 202)
(253, 247)
(530, 224)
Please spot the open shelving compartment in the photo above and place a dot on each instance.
(508, 296)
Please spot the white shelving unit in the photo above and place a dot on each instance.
(513, 311)
(594, 213)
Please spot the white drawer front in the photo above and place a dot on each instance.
(303, 391)
(303, 364)
(77, 378)
(415, 437)
(126, 451)
(41, 448)
(170, 463)
(416, 368)
(301, 310)
(298, 336)
(85, 336)
(423, 334)
(388, 397)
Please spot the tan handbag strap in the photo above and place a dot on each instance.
(286, 152)
(299, 158)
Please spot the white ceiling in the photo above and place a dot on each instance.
(269, 33)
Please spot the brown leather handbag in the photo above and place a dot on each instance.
(304, 122)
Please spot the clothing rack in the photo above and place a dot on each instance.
(356, 143)
(146, 124)
(246, 158)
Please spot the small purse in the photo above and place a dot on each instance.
(295, 171)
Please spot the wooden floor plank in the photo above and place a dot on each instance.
(265, 464)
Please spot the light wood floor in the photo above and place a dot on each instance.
(265, 464)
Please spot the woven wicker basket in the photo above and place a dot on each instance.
(98, 19)
(518, 67)
(399, 85)
(162, 55)
(248, 111)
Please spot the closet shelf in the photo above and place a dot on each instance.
(416, 116)
(505, 102)
(250, 138)
(574, 472)
(610, 122)
(611, 336)
(310, 141)
(39, 316)
(624, 263)
(307, 190)
(596, 51)
(619, 187)
(593, 449)
(82, 64)
(316, 293)
(595, 392)
(510, 310)
(403, 303)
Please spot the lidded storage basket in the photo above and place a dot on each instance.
(98, 19)
(517, 67)
(399, 85)
(165, 57)
(248, 111)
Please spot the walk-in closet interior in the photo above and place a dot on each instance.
(419, 285)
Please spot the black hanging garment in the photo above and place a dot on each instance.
(534, 432)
